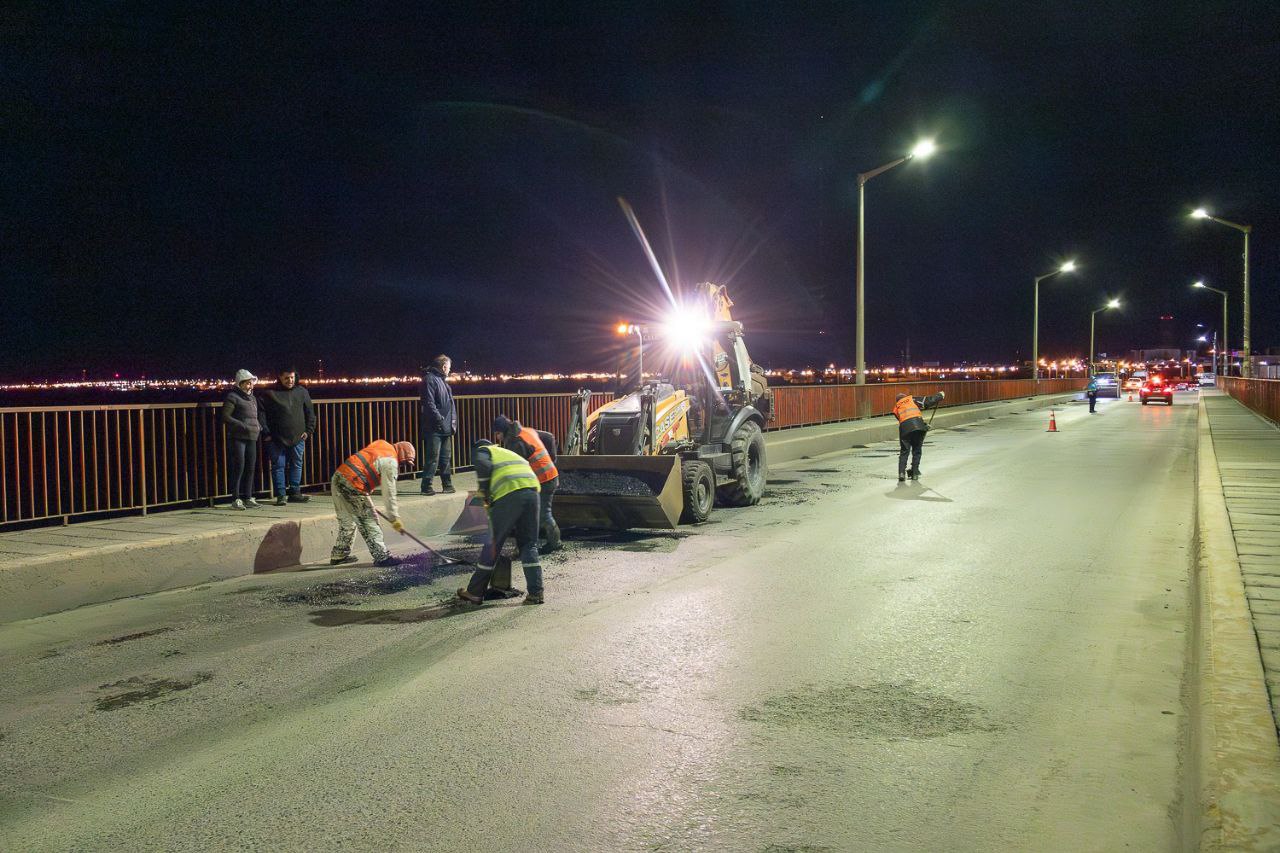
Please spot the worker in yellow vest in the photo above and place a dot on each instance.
(539, 448)
(911, 430)
(510, 492)
(353, 483)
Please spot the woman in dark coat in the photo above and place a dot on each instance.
(240, 414)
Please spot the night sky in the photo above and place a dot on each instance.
(188, 190)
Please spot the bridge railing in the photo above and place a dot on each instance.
(1261, 395)
(59, 464)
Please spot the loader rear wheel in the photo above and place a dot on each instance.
(748, 467)
(699, 491)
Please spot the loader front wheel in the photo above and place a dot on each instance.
(699, 491)
(748, 467)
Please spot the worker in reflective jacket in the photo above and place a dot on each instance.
(538, 447)
(353, 483)
(510, 492)
(911, 430)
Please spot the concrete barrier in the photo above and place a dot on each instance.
(171, 551)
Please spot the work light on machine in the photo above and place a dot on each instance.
(686, 329)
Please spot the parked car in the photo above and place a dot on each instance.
(1108, 385)
(1156, 388)
(1207, 380)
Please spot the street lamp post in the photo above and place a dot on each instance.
(1246, 367)
(1226, 350)
(1069, 266)
(1114, 303)
(921, 150)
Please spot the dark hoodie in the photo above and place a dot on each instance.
(438, 412)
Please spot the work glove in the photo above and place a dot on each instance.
(398, 525)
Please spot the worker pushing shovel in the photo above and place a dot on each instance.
(353, 484)
(912, 429)
(509, 489)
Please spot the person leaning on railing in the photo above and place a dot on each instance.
(240, 415)
(290, 418)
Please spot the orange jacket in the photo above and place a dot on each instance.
(539, 459)
(906, 409)
(360, 471)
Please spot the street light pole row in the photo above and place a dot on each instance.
(1246, 366)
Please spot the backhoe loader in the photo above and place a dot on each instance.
(668, 451)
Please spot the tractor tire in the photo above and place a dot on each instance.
(748, 468)
(699, 483)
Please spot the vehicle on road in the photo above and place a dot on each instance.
(1133, 383)
(1156, 388)
(1207, 380)
(1108, 385)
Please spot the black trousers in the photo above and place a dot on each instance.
(910, 444)
(243, 466)
(1093, 400)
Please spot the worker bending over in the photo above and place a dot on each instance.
(353, 483)
(538, 448)
(510, 492)
(911, 430)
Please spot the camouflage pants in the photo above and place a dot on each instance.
(355, 510)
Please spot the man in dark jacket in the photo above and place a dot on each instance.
(911, 430)
(290, 420)
(439, 423)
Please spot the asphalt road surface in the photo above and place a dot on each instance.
(992, 660)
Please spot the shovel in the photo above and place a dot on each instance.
(448, 561)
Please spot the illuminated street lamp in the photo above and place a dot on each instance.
(1247, 364)
(626, 329)
(1226, 350)
(1068, 266)
(921, 150)
(1114, 303)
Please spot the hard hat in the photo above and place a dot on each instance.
(406, 452)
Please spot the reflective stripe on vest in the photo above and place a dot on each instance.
(510, 473)
(360, 469)
(540, 461)
(906, 409)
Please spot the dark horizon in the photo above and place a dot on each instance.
(192, 190)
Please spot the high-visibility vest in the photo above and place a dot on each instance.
(360, 471)
(906, 409)
(510, 473)
(540, 460)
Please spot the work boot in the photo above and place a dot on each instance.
(553, 540)
(342, 561)
(447, 488)
(386, 562)
(533, 580)
(280, 500)
(299, 498)
(473, 592)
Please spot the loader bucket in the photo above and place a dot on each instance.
(618, 491)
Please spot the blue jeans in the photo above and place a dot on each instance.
(438, 457)
(284, 456)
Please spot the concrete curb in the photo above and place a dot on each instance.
(43, 585)
(1235, 754)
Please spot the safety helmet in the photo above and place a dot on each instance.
(406, 452)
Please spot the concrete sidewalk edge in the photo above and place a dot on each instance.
(1235, 756)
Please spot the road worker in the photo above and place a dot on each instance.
(538, 447)
(353, 483)
(509, 489)
(911, 430)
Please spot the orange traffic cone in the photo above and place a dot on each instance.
(1130, 396)
(1053, 422)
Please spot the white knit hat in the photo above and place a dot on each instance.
(242, 375)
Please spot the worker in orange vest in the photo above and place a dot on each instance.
(352, 485)
(538, 447)
(911, 430)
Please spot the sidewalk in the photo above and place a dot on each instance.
(1248, 452)
(1234, 763)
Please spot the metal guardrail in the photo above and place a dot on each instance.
(62, 463)
(1261, 395)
